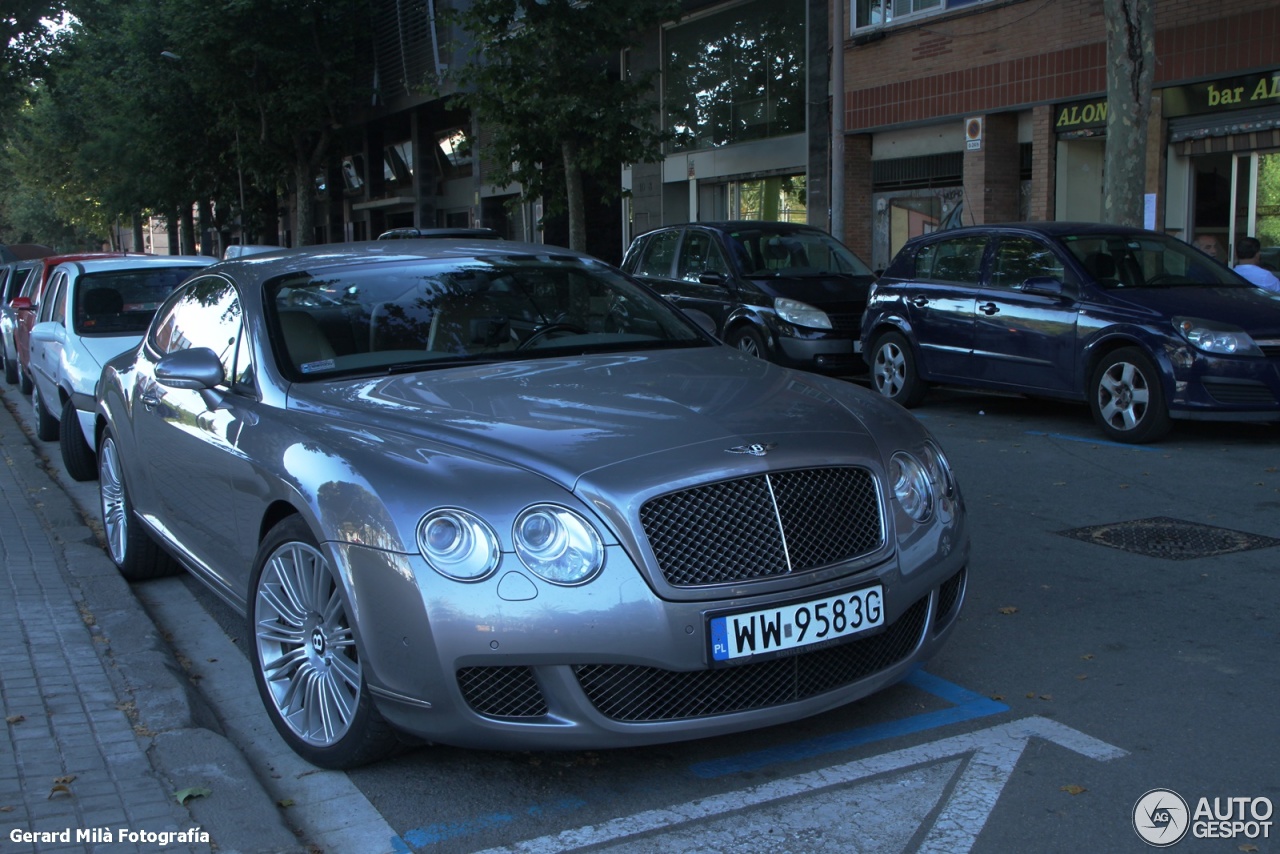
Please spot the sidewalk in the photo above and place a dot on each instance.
(102, 729)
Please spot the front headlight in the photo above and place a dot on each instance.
(1210, 336)
(940, 470)
(558, 545)
(458, 544)
(911, 486)
(801, 313)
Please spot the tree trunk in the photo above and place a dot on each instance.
(188, 246)
(575, 199)
(304, 219)
(1131, 62)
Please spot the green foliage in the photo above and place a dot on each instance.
(544, 79)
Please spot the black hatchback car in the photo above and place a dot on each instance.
(788, 293)
(1141, 326)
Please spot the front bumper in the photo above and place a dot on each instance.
(1224, 388)
(515, 663)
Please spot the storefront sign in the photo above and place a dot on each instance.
(1232, 93)
(1080, 116)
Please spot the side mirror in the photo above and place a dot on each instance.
(705, 321)
(198, 368)
(21, 304)
(45, 331)
(1044, 286)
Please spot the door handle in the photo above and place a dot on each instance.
(920, 302)
(149, 399)
(989, 308)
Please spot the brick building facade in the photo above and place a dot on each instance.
(1027, 80)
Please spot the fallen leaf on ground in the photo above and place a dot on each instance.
(287, 802)
(1074, 789)
(1008, 609)
(59, 790)
(66, 778)
(15, 719)
(184, 795)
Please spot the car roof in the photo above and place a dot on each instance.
(1048, 228)
(411, 233)
(741, 224)
(134, 262)
(328, 256)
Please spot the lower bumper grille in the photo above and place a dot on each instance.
(635, 694)
(1240, 392)
(948, 598)
(502, 692)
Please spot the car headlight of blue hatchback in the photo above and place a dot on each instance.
(558, 545)
(1210, 336)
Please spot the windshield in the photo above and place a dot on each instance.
(784, 252)
(400, 316)
(122, 302)
(1147, 261)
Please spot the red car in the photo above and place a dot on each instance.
(26, 303)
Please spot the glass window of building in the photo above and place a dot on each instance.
(736, 75)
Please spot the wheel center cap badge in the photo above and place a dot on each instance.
(758, 449)
(317, 641)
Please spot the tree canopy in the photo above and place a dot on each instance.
(545, 85)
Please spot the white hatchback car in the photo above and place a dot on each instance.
(93, 310)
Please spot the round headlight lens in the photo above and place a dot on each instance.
(801, 313)
(557, 544)
(458, 544)
(911, 486)
(1210, 336)
(940, 470)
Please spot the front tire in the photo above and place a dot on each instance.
(893, 370)
(130, 547)
(24, 382)
(747, 340)
(305, 659)
(1127, 398)
(46, 424)
(78, 457)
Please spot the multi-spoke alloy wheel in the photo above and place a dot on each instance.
(306, 661)
(893, 370)
(130, 547)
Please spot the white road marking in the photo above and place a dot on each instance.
(992, 754)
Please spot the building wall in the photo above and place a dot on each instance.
(1001, 60)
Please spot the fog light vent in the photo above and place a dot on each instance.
(1172, 539)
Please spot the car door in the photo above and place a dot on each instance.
(1025, 324)
(48, 339)
(703, 280)
(656, 263)
(192, 438)
(940, 303)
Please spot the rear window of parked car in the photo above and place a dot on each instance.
(956, 260)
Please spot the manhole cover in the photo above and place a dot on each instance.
(1172, 539)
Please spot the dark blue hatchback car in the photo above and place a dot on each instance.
(1142, 326)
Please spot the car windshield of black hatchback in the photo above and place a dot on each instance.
(763, 252)
(1147, 261)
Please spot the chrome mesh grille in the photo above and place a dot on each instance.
(729, 531)
(502, 692)
(634, 694)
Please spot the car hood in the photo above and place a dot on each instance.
(566, 417)
(816, 290)
(1250, 309)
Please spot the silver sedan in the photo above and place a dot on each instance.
(500, 495)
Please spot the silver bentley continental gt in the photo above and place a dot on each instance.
(500, 495)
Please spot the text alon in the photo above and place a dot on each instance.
(1231, 817)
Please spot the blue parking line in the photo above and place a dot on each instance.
(968, 706)
(1088, 441)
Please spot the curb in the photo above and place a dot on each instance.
(188, 747)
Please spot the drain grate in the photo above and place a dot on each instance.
(1172, 539)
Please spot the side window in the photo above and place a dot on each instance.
(957, 260)
(52, 299)
(699, 254)
(659, 255)
(206, 313)
(1020, 258)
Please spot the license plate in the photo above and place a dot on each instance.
(798, 625)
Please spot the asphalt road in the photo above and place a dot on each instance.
(1081, 677)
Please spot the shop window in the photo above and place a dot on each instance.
(779, 199)
(397, 163)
